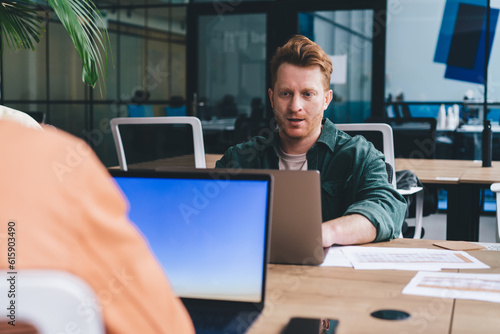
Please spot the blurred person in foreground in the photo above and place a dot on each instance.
(70, 216)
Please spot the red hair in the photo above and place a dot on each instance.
(301, 51)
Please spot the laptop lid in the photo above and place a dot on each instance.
(296, 236)
(209, 231)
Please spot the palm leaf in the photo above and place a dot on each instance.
(20, 25)
(80, 19)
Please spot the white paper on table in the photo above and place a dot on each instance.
(410, 258)
(491, 246)
(484, 287)
(335, 258)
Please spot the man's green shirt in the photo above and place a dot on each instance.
(353, 176)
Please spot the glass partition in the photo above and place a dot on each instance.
(231, 64)
(65, 70)
(347, 37)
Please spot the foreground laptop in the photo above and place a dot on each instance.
(210, 234)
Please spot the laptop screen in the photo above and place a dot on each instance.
(208, 234)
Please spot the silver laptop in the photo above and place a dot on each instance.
(296, 217)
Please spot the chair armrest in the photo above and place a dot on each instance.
(495, 187)
(411, 191)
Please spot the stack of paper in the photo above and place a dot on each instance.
(485, 287)
(403, 258)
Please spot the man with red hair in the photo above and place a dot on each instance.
(358, 203)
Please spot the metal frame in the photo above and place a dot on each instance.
(388, 151)
(199, 149)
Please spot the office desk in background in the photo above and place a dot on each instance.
(350, 296)
(178, 161)
(222, 124)
(463, 179)
(467, 139)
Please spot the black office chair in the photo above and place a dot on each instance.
(381, 136)
(38, 116)
(414, 137)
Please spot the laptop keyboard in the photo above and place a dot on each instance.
(212, 320)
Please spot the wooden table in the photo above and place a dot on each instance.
(211, 159)
(463, 179)
(436, 171)
(182, 161)
(350, 296)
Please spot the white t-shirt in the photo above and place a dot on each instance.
(292, 161)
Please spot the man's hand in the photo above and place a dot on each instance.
(348, 230)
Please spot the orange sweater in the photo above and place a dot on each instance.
(70, 216)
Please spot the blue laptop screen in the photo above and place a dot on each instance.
(208, 235)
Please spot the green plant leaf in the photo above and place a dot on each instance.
(20, 24)
(21, 27)
(80, 18)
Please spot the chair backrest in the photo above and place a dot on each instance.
(52, 301)
(495, 187)
(150, 142)
(380, 135)
(414, 138)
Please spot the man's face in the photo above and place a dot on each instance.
(299, 99)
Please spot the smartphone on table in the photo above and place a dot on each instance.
(310, 326)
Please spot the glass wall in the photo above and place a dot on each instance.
(25, 74)
(435, 68)
(427, 65)
(147, 61)
(347, 36)
(436, 54)
(232, 63)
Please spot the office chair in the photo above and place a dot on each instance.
(495, 187)
(52, 301)
(152, 142)
(380, 135)
(414, 138)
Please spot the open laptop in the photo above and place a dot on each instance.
(210, 234)
(296, 236)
